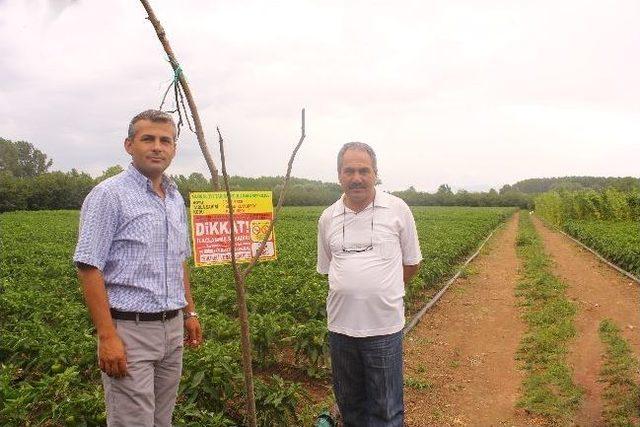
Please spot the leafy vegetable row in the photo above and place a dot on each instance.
(48, 372)
(618, 241)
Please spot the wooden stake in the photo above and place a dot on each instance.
(241, 275)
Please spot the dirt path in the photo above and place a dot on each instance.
(459, 361)
(600, 292)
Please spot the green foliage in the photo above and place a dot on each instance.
(576, 183)
(607, 221)
(12, 197)
(550, 207)
(418, 384)
(447, 236)
(310, 342)
(190, 415)
(58, 190)
(47, 352)
(109, 172)
(267, 333)
(51, 190)
(559, 207)
(300, 192)
(619, 374)
(548, 389)
(26, 184)
(21, 159)
(47, 343)
(211, 377)
(445, 197)
(193, 183)
(618, 241)
(276, 401)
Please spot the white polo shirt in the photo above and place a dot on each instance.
(366, 286)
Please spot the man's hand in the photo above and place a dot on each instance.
(193, 332)
(409, 271)
(111, 352)
(111, 356)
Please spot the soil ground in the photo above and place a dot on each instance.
(600, 292)
(460, 366)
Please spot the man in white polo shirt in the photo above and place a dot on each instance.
(368, 245)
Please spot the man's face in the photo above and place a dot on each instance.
(357, 177)
(152, 147)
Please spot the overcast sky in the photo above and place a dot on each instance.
(475, 94)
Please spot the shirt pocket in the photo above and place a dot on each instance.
(142, 229)
(178, 240)
(388, 248)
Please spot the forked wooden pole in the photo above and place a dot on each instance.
(240, 275)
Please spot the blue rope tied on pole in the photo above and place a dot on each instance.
(180, 108)
(176, 73)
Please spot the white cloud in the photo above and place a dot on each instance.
(467, 93)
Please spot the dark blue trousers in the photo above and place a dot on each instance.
(367, 379)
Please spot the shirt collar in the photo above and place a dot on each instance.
(381, 200)
(144, 182)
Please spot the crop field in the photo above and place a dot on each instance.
(48, 371)
(618, 241)
(607, 221)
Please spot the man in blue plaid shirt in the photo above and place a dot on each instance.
(131, 257)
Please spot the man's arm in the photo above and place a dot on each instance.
(409, 271)
(411, 254)
(324, 251)
(112, 358)
(192, 326)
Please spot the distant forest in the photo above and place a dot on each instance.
(521, 194)
(576, 183)
(27, 184)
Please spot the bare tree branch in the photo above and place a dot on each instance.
(243, 314)
(240, 276)
(255, 258)
(229, 201)
(187, 92)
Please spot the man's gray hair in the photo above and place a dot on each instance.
(156, 116)
(358, 146)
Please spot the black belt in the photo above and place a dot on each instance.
(143, 317)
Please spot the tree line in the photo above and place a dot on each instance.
(446, 197)
(576, 183)
(27, 184)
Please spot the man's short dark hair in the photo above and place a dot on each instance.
(156, 116)
(361, 146)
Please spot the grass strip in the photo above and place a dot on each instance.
(548, 389)
(621, 393)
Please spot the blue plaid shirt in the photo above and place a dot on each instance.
(138, 240)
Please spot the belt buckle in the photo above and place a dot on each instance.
(164, 316)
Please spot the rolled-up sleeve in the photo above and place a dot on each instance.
(324, 251)
(409, 243)
(98, 225)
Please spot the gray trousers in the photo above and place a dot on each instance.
(146, 397)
